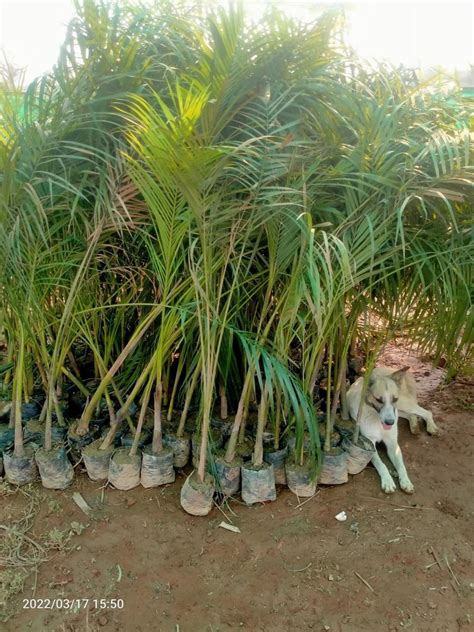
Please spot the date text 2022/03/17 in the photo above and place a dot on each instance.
(59, 603)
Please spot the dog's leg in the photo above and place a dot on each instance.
(387, 481)
(414, 427)
(410, 410)
(395, 455)
(431, 427)
(412, 420)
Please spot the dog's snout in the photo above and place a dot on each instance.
(389, 422)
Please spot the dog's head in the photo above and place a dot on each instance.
(382, 394)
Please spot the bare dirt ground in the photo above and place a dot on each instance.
(398, 562)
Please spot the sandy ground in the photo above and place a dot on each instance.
(398, 562)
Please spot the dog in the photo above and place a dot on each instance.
(390, 394)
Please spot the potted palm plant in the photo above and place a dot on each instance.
(20, 466)
(157, 460)
(258, 477)
(334, 460)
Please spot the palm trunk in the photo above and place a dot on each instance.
(58, 411)
(110, 436)
(344, 407)
(177, 377)
(316, 370)
(301, 455)
(223, 398)
(341, 377)
(187, 401)
(44, 410)
(17, 381)
(203, 449)
(245, 417)
(262, 420)
(141, 419)
(276, 439)
(138, 384)
(48, 440)
(327, 440)
(157, 443)
(115, 421)
(234, 435)
(83, 425)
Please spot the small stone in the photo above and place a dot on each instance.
(432, 605)
(102, 620)
(130, 502)
(331, 578)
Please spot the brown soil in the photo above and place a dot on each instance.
(398, 562)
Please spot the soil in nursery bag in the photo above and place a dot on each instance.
(6, 437)
(55, 469)
(244, 449)
(258, 483)
(334, 467)
(181, 447)
(345, 427)
(124, 470)
(228, 475)
(157, 467)
(300, 479)
(277, 458)
(196, 496)
(77, 443)
(358, 455)
(20, 470)
(335, 438)
(97, 460)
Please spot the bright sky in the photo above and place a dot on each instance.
(419, 33)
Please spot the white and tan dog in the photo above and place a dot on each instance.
(390, 394)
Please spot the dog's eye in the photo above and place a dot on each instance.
(379, 399)
(395, 399)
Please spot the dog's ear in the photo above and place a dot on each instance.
(399, 375)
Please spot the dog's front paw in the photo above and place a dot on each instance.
(388, 485)
(407, 486)
(432, 428)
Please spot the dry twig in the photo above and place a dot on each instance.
(364, 581)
